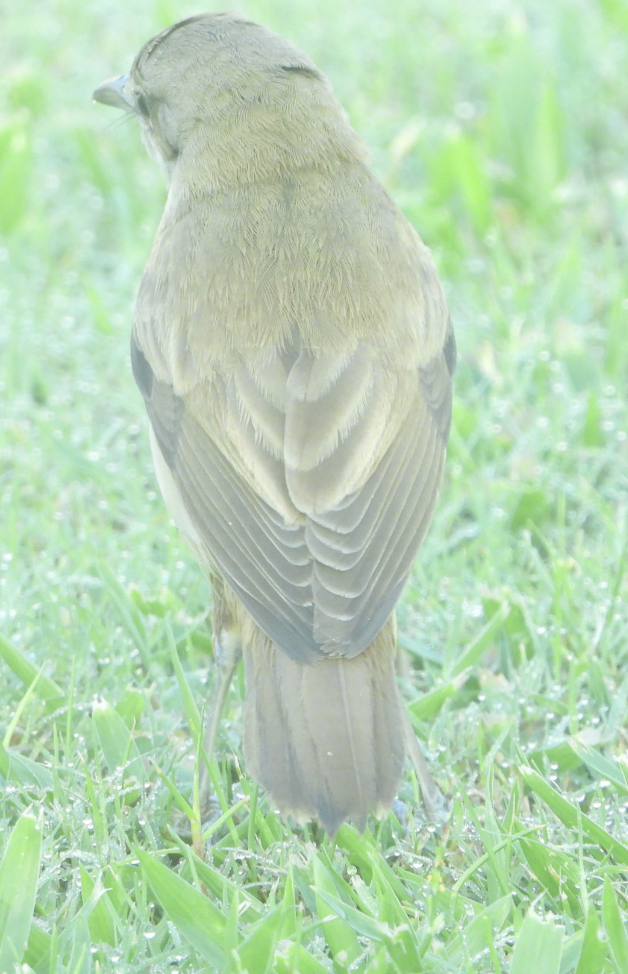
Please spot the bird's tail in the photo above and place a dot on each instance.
(326, 741)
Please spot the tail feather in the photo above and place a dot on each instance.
(326, 741)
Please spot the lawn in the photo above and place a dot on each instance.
(501, 128)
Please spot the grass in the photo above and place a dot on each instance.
(502, 130)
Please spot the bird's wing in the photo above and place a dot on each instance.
(309, 479)
(312, 503)
(370, 486)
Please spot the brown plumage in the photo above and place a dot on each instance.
(293, 347)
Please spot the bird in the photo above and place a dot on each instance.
(294, 349)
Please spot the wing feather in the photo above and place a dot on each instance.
(310, 481)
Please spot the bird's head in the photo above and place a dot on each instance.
(231, 97)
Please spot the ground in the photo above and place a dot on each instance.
(501, 128)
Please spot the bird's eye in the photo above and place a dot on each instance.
(142, 106)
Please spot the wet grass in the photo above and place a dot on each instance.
(502, 130)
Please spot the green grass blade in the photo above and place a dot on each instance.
(615, 929)
(100, 920)
(195, 917)
(593, 954)
(39, 943)
(79, 941)
(481, 642)
(472, 939)
(116, 741)
(427, 705)
(571, 953)
(221, 887)
(363, 925)
(45, 688)
(25, 772)
(538, 948)
(339, 934)
(130, 617)
(18, 886)
(255, 952)
(571, 816)
(599, 766)
(190, 707)
(297, 960)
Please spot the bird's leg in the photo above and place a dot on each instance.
(228, 650)
(434, 802)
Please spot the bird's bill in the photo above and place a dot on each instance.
(111, 92)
